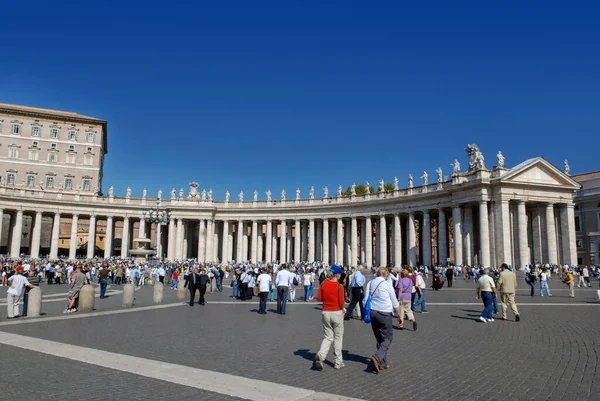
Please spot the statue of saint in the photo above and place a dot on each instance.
(255, 196)
(298, 194)
(368, 187)
(210, 194)
(241, 196)
(312, 193)
(339, 193)
(159, 196)
(181, 193)
(173, 194)
(283, 194)
(410, 181)
(455, 167)
(381, 186)
(203, 194)
(269, 195)
(144, 193)
(425, 178)
(396, 186)
(111, 191)
(128, 193)
(325, 192)
(476, 161)
(353, 189)
(439, 174)
(500, 157)
(567, 167)
(227, 196)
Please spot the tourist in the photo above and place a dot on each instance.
(586, 276)
(251, 285)
(174, 279)
(264, 283)
(530, 279)
(308, 282)
(404, 288)
(544, 282)
(570, 281)
(331, 293)
(485, 291)
(202, 285)
(358, 292)
(507, 285)
(18, 283)
(383, 302)
(235, 284)
(78, 280)
(295, 282)
(161, 274)
(449, 276)
(283, 281)
(103, 280)
(420, 286)
(192, 283)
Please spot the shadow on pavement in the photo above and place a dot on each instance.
(465, 318)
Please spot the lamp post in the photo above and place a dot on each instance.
(158, 217)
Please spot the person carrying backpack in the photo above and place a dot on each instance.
(531, 279)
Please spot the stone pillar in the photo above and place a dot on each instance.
(17, 233)
(442, 234)
(339, 260)
(73, 238)
(179, 240)
(225, 243)
(125, 238)
(181, 290)
(1, 223)
(311, 240)
(159, 245)
(551, 252)
(569, 244)
(239, 233)
(185, 243)
(353, 260)
(230, 248)
(297, 237)
(284, 255)
(35, 238)
(382, 241)
(397, 241)
(412, 241)
(484, 234)
(304, 227)
(91, 245)
(210, 243)
(457, 234)
(55, 235)
(201, 241)
(368, 242)
(87, 296)
(468, 235)
(157, 295)
(363, 255)
(522, 228)
(325, 256)
(269, 242)
(260, 245)
(502, 234)
(536, 234)
(171, 240)
(254, 249)
(426, 257)
(109, 237)
(347, 242)
(142, 229)
(128, 295)
(319, 241)
(34, 302)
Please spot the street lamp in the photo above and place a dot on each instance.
(158, 217)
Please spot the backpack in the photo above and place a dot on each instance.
(295, 282)
(322, 276)
(367, 309)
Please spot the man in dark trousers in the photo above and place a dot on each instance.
(192, 283)
(450, 275)
(202, 283)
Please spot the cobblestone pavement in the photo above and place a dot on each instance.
(552, 354)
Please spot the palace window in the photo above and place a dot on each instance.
(71, 148)
(52, 146)
(89, 150)
(68, 183)
(72, 135)
(34, 154)
(10, 178)
(16, 129)
(50, 182)
(54, 133)
(35, 131)
(30, 180)
(34, 144)
(13, 152)
(86, 184)
(90, 137)
(52, 157)
(578, 223)
(70, 158)
(88, 160)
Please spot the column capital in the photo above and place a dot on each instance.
(55, 213)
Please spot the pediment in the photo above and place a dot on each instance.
(539, 172)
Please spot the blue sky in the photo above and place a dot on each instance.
(269, 95)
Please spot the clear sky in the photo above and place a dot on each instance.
(279, 94)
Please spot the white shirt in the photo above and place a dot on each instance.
(383, 298)
(421, 282)
(284, 278)
(263, 282)
(17, 284)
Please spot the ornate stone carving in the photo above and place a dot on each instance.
(144, 193)
(111, 191)
(567, 167)
(193, 190)
(339, 192)
(325, 192)
(128, 193)
(476, 161)
(396, 185)
(159, 196)
(425, 178)
(410, 181)
(368, 187)
(173, 194)
(210, 194)
(227, 196)
(312, 192)
(181, 193)
(283, 194)
(298, 194)
(241, 196)
(353, 190)
(255, 196)
(455, 168)
(269, 195)
(203, 194)
(500, 157)
(381, 186)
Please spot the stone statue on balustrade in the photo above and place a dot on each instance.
(396, 185)
(144, 193)
(567, 167)
(210, 194)
(255, 196)
(193, 191)
(173, 194)
(181, 193)
(455, 168)
(500, 157)
(269, 196)
(440, 177)
(410, 181)
(381, 186)
(339, 193)
(311, 194)
(476, 161)
(425, 178)
(111, 191)
(283, 194)
(325, 192)
(227, 196)
(353, 189)
(241, 196)
(298, 194)
(159, 196)
(203, 194)
(128, 193)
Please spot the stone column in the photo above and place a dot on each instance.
(202, 240)
(73, 239)
(1, 223)
(442, 234)
(325, 256)
(347, 243)
(397, 241)
(171, 239)
(142, 229)
(159, 245)
(551, 252)
(91, 245)
(426, 239)
(339, 260)
(536, 233)
(239, 233)
(245, 241)
(109, 237)
(55, 235)
(210, 243)
(484, 234)
(457, 234)
(304, 227)
(353, 242)
(17, 233)
(35, 238)
(254, 249)
(569, 244)
(225, 242)
(284, 256)
(319, 241)
(382, 241)
(269, 242)
(468, 235)
(125, 238)
(179, 240)
(412, 241)
(363, 256)
(297, 236)
(502, 234)
(311, 240)
(522, 227)
(368, 242)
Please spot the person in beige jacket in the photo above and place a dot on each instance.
(507, 285)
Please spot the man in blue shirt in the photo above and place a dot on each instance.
(357, 283)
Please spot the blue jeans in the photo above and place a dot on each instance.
(236, 289)
(174, 283)
(306, 292)
(310, 289)
(487, 298)
(544, 285)
(420, 301)
(282, 297)
(220, 284)
(103, 284)
(25, 303)
(494, 303)
(532, 285)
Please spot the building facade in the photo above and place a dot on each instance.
(51, 150)
(587, 218)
